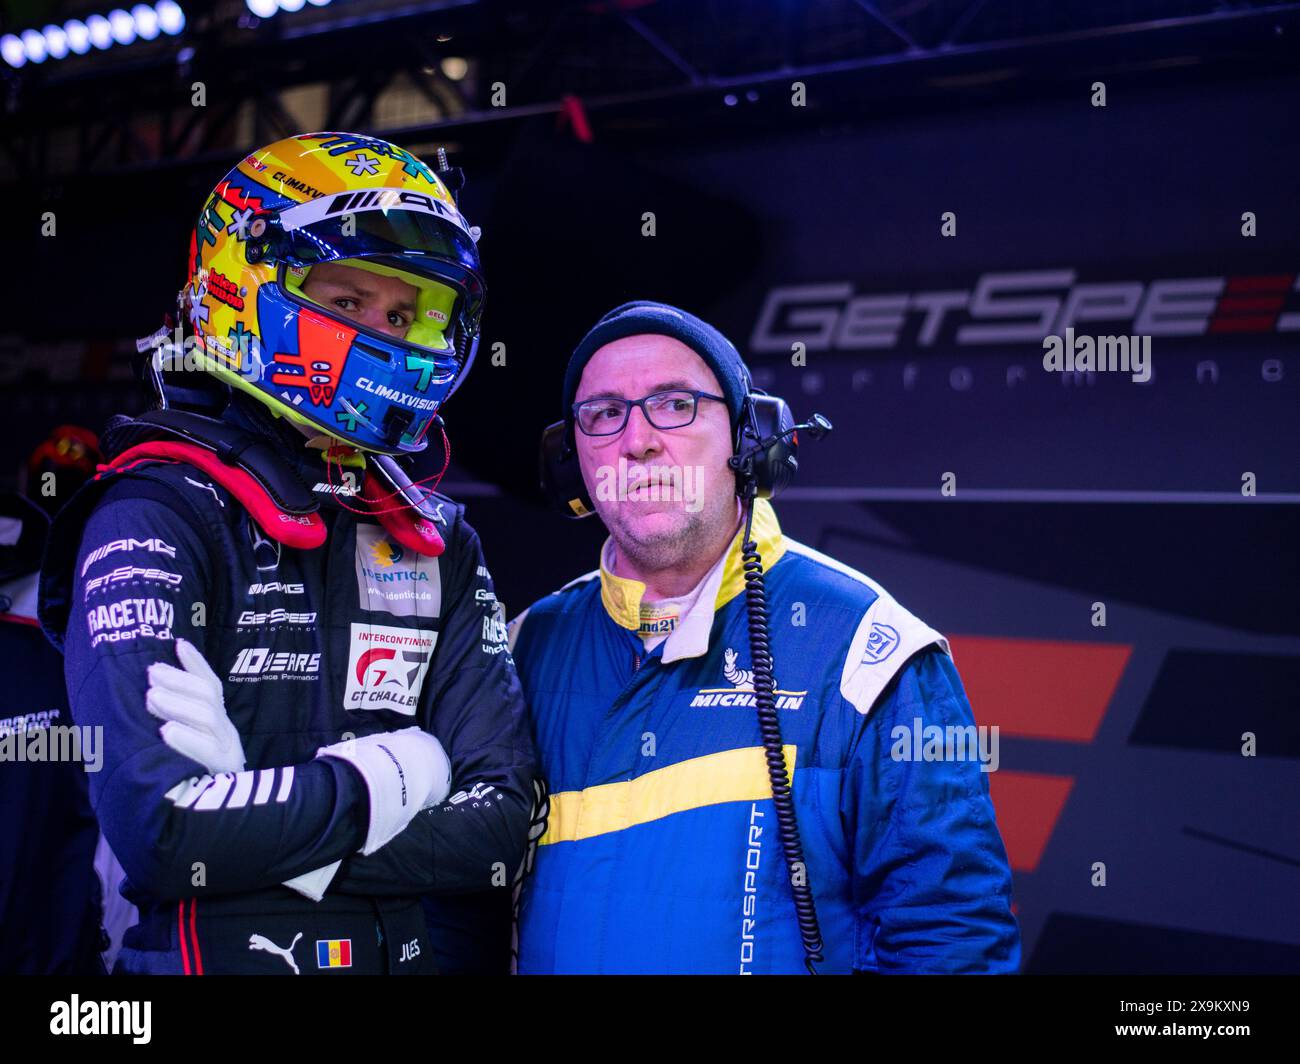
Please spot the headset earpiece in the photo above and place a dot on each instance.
(767, 447)
(562, 482)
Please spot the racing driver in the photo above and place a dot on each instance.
(310, 717)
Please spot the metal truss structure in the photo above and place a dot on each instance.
(459, 69)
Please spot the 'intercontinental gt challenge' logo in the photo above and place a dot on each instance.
(386, 667)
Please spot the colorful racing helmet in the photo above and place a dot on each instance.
(362, 203)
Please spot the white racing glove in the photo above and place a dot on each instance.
(410, 759)
(405, 771)
(189, 700)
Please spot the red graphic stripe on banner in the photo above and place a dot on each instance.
(1257, 323)
(1263, 283)
(1236, 303)
(1028, 805)
(1040, 688)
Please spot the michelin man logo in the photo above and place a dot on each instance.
(741, 692)
(740, 679)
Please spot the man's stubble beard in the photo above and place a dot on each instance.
(669, 550)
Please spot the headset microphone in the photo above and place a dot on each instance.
(818, 427)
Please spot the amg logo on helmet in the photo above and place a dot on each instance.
(370, 199)
(302, 215)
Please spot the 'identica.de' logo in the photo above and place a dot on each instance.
(393, 580)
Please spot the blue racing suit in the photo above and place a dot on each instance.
(662, 851)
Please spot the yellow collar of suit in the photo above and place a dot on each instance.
(622, 596)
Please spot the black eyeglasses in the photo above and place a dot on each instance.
(664, 410)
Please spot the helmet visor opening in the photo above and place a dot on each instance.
(383, 301)
(376, 222)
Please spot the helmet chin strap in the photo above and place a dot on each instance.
(412, 521)
(384, 471)
(318, 440)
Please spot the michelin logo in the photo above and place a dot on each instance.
(741, 693)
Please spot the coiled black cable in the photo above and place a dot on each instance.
(764, 698)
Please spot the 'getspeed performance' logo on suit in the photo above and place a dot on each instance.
(386, 667)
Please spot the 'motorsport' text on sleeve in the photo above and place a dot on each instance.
(473, 703)
(142, 579)
(931, 882)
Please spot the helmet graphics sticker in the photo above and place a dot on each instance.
(319, 372)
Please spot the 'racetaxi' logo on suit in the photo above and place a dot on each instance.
(495, 635)
(386, 667)
(394, 580)
(133, 618)
(741, 693)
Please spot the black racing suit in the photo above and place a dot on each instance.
(313, 646)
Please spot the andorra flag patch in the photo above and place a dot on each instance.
(334, 953)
